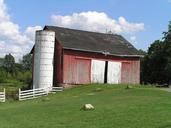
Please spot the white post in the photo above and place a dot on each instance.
(19, 93)
(4, 95)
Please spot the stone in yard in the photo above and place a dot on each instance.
(88, 107)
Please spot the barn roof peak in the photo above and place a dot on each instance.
(111, 44)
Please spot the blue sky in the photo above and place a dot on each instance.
(140, 21)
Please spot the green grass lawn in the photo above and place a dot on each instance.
(115, 107)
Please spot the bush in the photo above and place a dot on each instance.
(3, 75)
(11, 92)
(13, 95)
(25, 78)
(12, 83)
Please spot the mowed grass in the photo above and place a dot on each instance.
(115, 107)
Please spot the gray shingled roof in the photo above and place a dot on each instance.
(93, 42)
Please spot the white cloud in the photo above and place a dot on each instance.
(3, 15)
(96, 21)
(16, 42)
(30, 31)
(99, 22)
(130, 27)
(12, 39)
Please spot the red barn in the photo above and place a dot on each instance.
(82, 57)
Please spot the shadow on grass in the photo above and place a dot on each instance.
(165, 126)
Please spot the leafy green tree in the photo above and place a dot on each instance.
(3, 75)
(27, 62)
(1, 61)
(9, 63)
(156, 65)
(167, 51)
(142, 52)
(152, 65)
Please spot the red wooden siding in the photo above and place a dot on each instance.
(83, 71)
(76, 70)
(130, 72)
(73, 67)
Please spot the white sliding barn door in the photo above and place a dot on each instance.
(114, 72)
(97, 71)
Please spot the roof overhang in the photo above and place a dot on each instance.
(104, 53)
(100, 52)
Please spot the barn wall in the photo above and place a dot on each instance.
(130, 72)
(57, 64)
(114, 72)
(76, 70)
(97, 71)
(126, 70)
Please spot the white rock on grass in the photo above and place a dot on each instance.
(88, 107)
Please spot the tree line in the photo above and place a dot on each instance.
(16, 74)
(156, 64)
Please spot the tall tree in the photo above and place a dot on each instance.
(1, 61)
(9, 63)
(27, 62)
(167, 50)
(156, 65)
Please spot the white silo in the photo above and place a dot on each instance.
(43, 59)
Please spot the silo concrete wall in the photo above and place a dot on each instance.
(43, 59)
